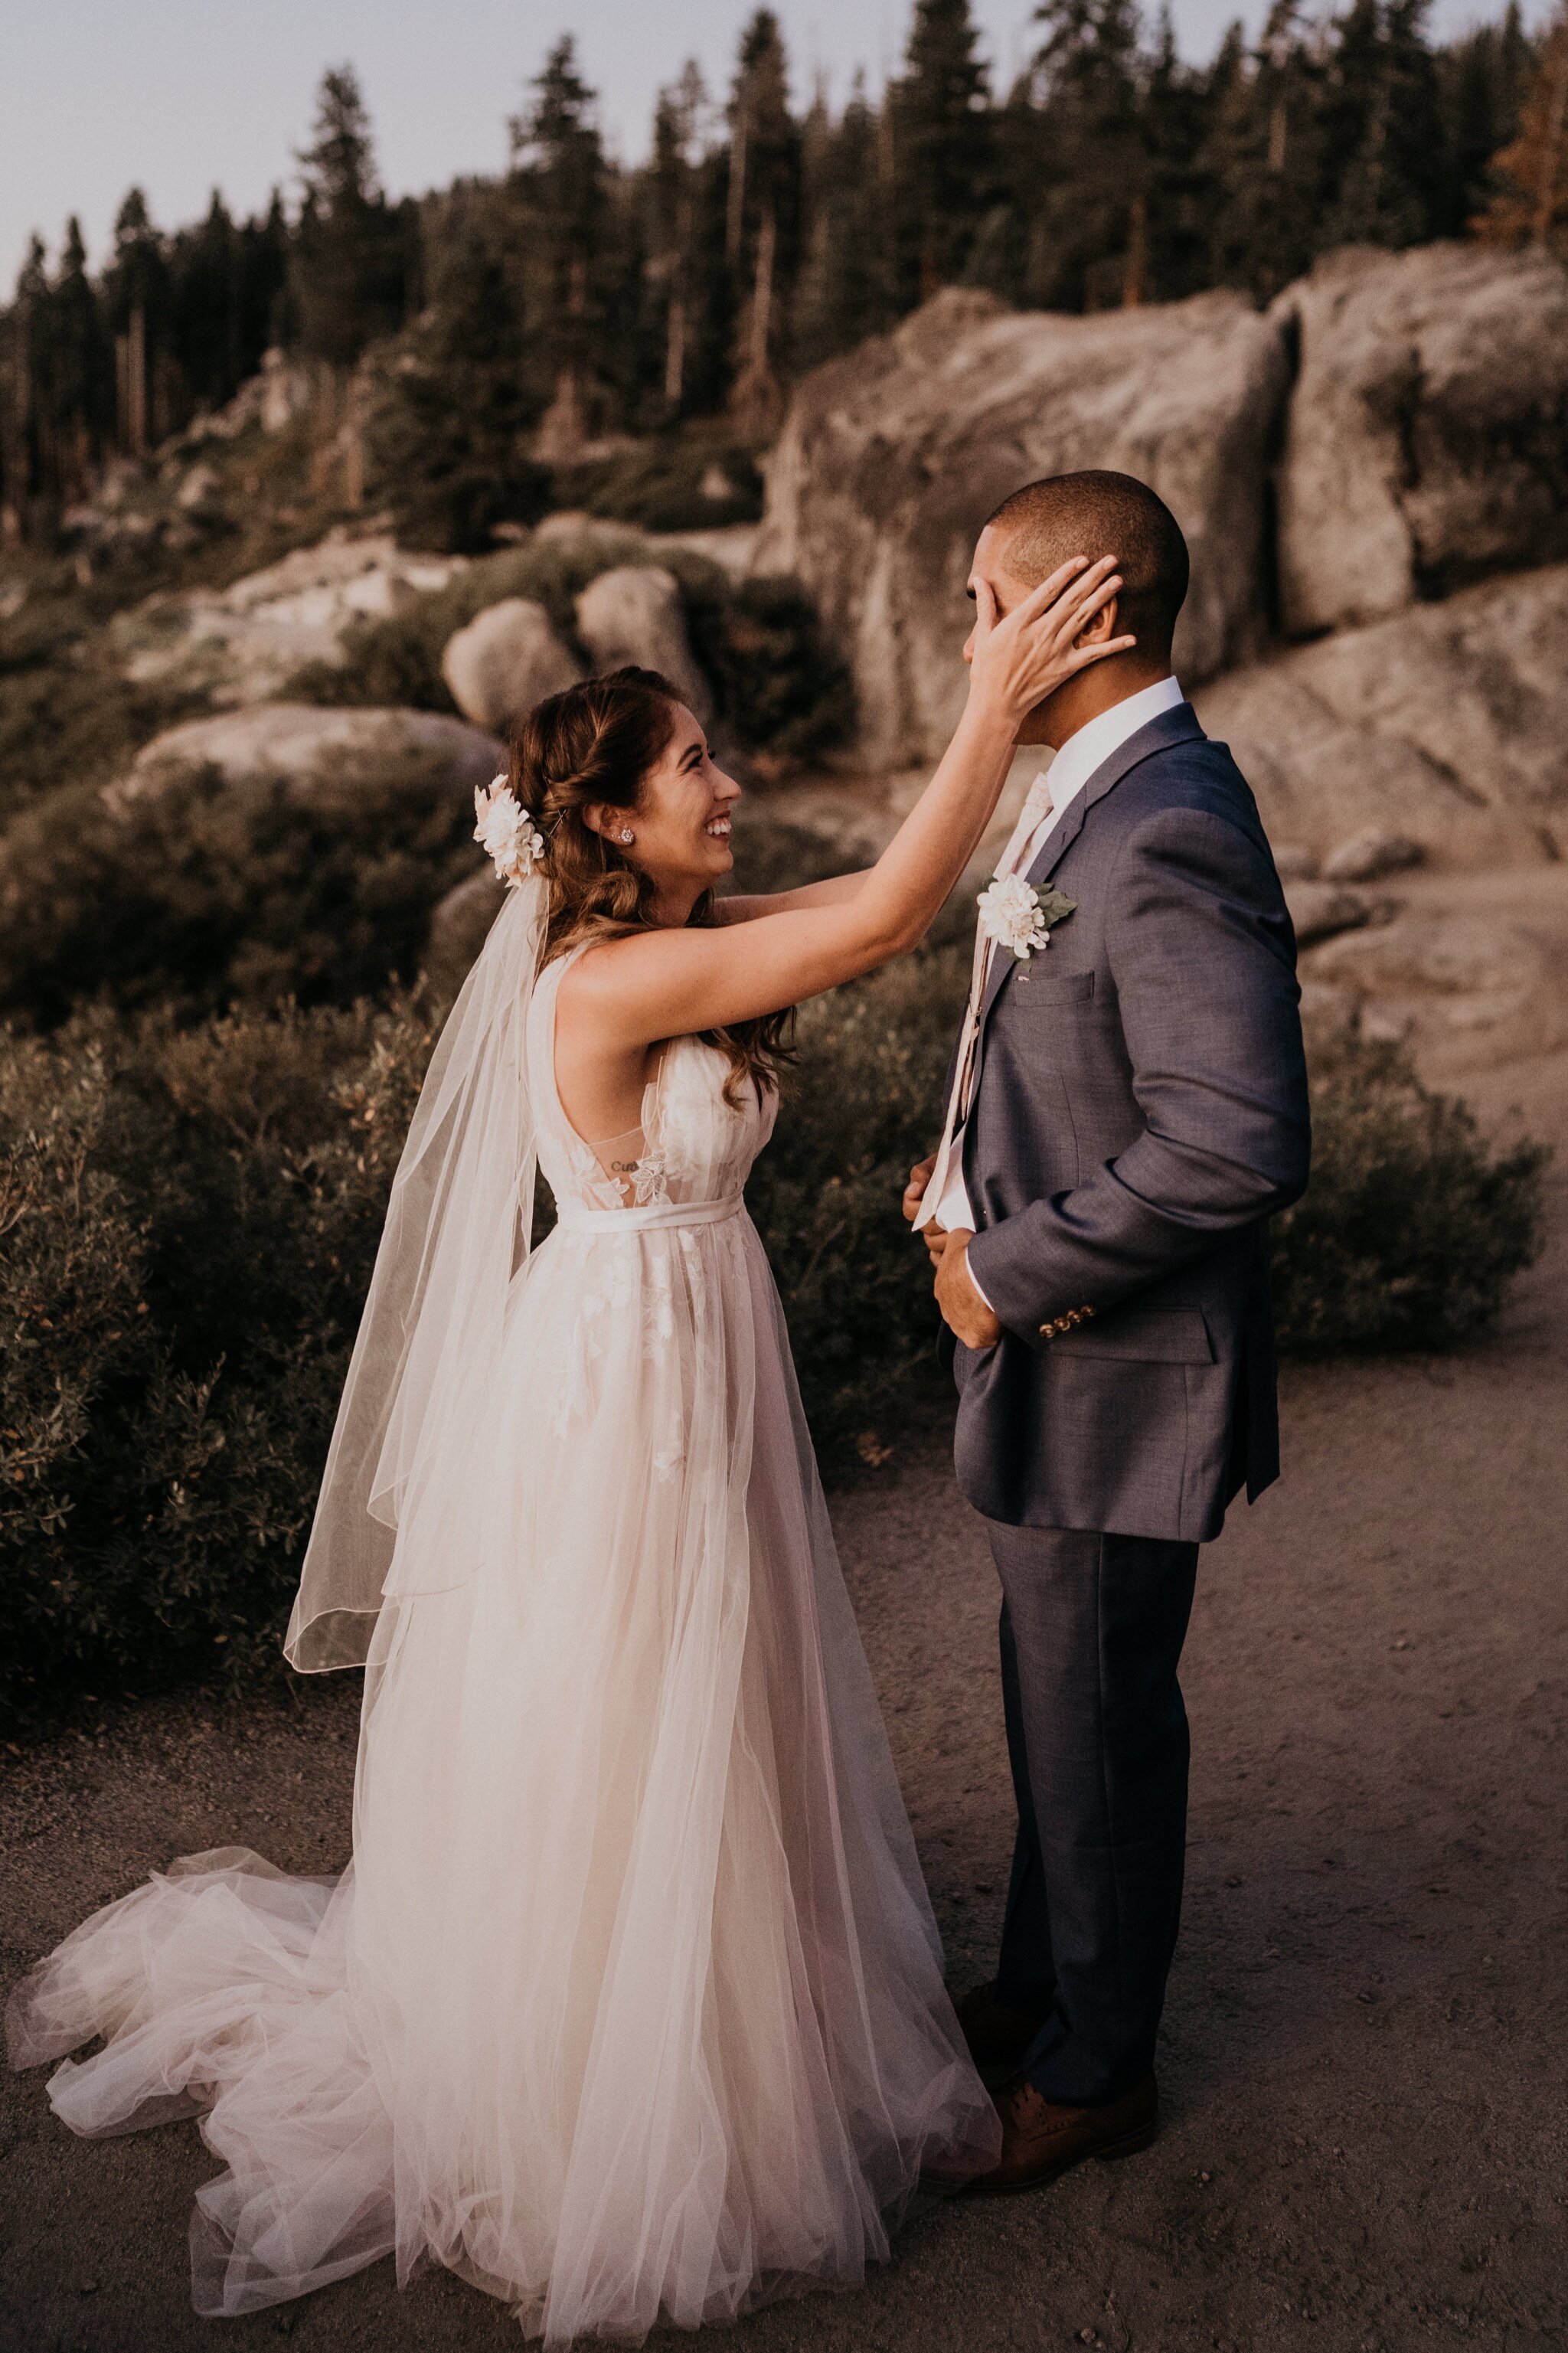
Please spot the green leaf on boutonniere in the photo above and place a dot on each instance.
(1055, 906)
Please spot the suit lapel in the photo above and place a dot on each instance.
(1177, 726)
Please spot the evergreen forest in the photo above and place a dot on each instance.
(488, 334)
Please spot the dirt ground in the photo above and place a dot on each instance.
(1362, 2066)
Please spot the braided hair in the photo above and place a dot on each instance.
(595, 742)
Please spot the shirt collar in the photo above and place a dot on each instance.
(1099, 738)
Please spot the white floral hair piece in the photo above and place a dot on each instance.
(513, 841)
(1019, 915)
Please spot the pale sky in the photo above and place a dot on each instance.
(182, 96)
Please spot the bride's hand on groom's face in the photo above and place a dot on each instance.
(963, 1310)
(1017, 659)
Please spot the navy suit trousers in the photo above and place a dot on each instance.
(1092, 1628)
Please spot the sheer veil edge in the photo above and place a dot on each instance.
(428, 1350)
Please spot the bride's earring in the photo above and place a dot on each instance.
(626, 834)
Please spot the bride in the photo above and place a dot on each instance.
(630, 2002)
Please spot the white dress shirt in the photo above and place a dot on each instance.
(1051, 794)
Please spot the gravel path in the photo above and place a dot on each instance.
(1362, 2067)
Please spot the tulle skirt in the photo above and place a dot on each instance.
(630, 2004)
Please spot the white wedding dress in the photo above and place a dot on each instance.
(630, 2003)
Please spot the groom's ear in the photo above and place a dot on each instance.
(1103, 625)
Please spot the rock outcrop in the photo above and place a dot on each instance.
(634, 614)
(1447, 724)
(892, 458)
(507, 660)
(242, 644)
(298, 740)
(459, 928)
(1427, 442)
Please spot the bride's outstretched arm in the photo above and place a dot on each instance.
(666, 983)
(831, 892)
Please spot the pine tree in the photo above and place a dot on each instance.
(678, 124)
(348, 265)
(1483, 77)
(1168, 253)
(1095, 196)
(1385, 108)
(80, 391)
(448, 433)
(262, 302)
(946, 146)
(846, 289)
(135, 290)
(31, 491)
(1531, 175)
(562, 183)
(761, 219)
(1263, 155)
(203, 308)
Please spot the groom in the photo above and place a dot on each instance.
(1128, 1104)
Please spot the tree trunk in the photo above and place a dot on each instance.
(763, 294)
(674, 352)
(130, 383)
(735, 210)
(1137, 254)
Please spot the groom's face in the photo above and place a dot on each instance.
(989, 564)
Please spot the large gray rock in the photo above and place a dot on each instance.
(1447, 724)
(507, 660)
(241, 645)
(892, 458)
(298, 740)
(1424, 445)
(460, 927)
(634, 614)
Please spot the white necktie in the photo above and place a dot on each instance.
(1037, 809)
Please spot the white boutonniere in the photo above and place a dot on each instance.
(513, 841)
(1020, 916)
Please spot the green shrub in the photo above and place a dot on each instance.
(188, 1218)
(188, 1224)
(66, 713)
(1411, 1228)
(696, 481)
(200, 893)
(784, 691)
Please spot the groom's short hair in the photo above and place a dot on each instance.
(1100, 513)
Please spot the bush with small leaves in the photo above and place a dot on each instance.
(189, 1215)
(187, 1226)
(1411, 1230)
(200, 893)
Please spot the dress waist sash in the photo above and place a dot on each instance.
(578, 1218)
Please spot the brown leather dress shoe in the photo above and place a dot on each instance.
(1040, 2140)
(998, 2037)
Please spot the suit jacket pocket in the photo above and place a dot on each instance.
(1147, 1336)
(1062, 987)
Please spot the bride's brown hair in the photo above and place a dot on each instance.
(597, 742)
